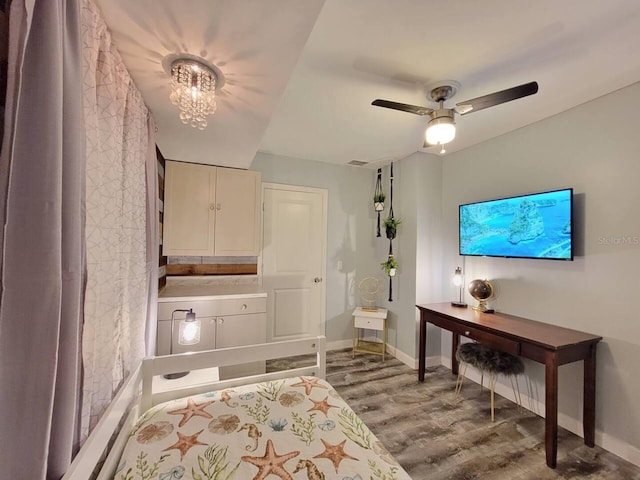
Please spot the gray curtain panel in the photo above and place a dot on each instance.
(42, 189)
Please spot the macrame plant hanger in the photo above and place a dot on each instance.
(391, 234)
(378, 199)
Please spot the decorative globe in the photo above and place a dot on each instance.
(482, 291)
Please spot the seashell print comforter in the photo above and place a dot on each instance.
(298, 428)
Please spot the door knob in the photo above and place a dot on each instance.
(317, 280)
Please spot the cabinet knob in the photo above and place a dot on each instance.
(221, 321)
(317, 280)
(212, 206)
(218, 206)
(466, 333)
(243, 307)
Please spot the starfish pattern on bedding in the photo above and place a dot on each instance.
(191, 410)
(184, 443)
(271, 463)
(335, 453)
(322, 406)
(308, 384)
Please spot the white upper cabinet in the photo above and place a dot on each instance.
(211, 211)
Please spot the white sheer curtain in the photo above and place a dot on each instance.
(80, 233)
(113, 341)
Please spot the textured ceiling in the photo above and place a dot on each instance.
(301, 75)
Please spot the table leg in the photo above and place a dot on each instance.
(455, 341)
(423, 347)
(384, 339)
(589, 414)
(355, 341)
(551, 408)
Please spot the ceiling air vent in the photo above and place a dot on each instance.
(357, 163)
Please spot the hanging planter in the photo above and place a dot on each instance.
(378, 200)
(391, 226)
(390, 267)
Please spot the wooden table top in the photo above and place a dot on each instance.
(546, 335)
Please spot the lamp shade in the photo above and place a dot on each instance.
(457, 277)
(189, 330)
(440, 130)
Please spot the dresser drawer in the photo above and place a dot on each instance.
(215, 307)
(368, 322)
(490, 340)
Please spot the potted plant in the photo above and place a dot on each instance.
(378, 201)
(391, 226)
(390, 266)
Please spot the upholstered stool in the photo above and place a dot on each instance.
(494, 362)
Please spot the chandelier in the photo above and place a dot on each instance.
(193, 90)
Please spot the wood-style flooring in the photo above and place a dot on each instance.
(435, 437)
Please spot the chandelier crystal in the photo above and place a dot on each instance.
(193, 90)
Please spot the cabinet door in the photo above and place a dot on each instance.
(239, 330)
(238, 212)
(189, 209)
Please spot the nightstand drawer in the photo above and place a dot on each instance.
(369, 323)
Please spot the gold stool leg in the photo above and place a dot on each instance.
(462, 369)
(492, 384)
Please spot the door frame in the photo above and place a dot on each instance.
(324, 193)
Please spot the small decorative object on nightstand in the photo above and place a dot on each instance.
(369, 319)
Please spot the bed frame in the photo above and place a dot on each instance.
(137, 395)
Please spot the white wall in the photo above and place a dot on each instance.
(351, 230)
(594, 148)
(417, 198)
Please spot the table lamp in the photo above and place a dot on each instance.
(188, 334)
(458, 281)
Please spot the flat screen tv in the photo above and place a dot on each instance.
(537, 225)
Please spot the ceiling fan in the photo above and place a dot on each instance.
(441, 128)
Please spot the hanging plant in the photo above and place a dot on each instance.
(391, 226)
(378, 201)
(390, 267)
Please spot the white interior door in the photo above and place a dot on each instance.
(293, 260)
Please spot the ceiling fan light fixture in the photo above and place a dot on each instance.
(440, 130)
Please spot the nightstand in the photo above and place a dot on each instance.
(369, 319)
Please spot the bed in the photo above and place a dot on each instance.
(289, 424)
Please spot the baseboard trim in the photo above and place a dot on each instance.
(602, 439)
(339, 344)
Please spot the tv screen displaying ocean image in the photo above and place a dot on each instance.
(527, 226)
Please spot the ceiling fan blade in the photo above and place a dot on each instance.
(486, 101)
(403, 107)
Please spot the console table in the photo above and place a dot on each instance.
(541, 342)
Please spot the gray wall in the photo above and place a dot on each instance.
(351, 229)
(417, 198)
(594, 148)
